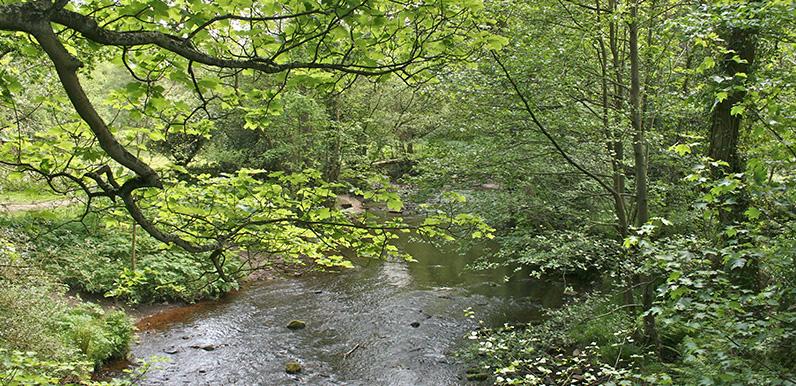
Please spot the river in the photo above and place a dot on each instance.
(382, 323)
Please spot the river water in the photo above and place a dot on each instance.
(382, 323)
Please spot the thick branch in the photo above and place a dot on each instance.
(35, 22)
(66, 66)
(91, 30)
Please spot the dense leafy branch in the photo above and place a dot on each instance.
(369, 38)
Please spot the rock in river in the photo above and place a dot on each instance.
(293, 368)
(296, 325)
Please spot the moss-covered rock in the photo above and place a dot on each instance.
(293, 368)
(296, 325)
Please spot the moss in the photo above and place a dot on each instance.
(296, 325)
(293, 368)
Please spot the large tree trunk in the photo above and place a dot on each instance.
(725, 129)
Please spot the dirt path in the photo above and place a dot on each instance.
(13, 207)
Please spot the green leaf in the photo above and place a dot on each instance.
(752, 213)
(681, 149)
(708, 63)
(395, 205)
(736, 263)
(496, 42)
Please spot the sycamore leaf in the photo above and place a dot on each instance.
(681, 149)
(752, 213)
(708, 63)
(395, 205)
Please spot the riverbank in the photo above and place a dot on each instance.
(385, 323)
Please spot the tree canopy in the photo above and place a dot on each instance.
(191, 62)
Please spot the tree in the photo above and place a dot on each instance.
(205, 47)
(737, 64)
(592, 83)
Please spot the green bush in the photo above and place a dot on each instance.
(25, 368)
(600, 321)
(29, 300)
(19, 368)
(29, 323)
(101, 336)
(95, 258)
(585, 342)
(45, 340)
(560, 252)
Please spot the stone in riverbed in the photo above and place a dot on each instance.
(296, 325)
(477, 377)
(293, 368)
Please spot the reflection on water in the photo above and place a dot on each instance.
(384, 323)
(395, 273)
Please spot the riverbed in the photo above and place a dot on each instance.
(382, 323)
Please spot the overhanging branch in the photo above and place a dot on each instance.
(547, 134)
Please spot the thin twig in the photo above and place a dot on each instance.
(608, 313)
(351, 351)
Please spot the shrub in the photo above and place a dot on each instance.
(44, 340)
(25, 368)
(101, 336)
(29, 299)
(27, 316)
(95, 258)
(19, 368)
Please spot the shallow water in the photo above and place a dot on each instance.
(386, 323)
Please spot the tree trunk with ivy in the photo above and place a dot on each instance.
(726, 120)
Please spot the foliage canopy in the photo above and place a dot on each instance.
(192, 63)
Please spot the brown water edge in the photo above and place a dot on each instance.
(160, 316)
(160, 319)
(150, 318)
